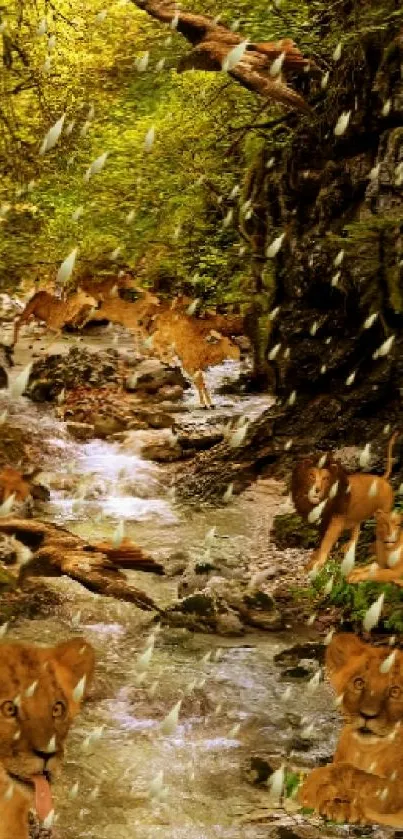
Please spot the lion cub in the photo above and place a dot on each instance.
(41, 689)
(388, 567)
(364, 783)
(342, 501)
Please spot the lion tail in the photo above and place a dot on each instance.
(389, 455)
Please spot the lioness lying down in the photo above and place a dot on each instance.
(40, 693)
(323, 491)
(388, 567)
(365, 781)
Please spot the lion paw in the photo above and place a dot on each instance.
(322, 793)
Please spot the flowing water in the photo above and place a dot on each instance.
(232, 703)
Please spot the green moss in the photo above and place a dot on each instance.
(290, 531)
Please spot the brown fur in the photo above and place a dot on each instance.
(57, 671)
(55, 312)
(351, 505)
(364, 783)
(388, 567)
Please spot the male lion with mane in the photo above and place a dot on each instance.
(364, 784)
(41, 689)
(340, 501)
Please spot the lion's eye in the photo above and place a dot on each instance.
(9, 709)
(358, 683)
(59, 709)
(395, 692)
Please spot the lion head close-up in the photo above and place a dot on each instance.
(369, 683)
(388, 527)
(313, 479)
(41, 689)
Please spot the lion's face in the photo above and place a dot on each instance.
(372, 700)
(38, 701)
(318, 484)
(388, 527)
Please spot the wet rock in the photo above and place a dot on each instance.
(105, 426)
(78, 368)
(170, 392)
(163, 452)
(155, 419)
(201, 441)
(151, 375)
(81, 430)
(309, 651)
(290, 531)
(259, 769)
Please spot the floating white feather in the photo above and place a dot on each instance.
(365, 456)
(274, 312)
(193, 306)
(387, 108)
(149, 140)
(53, 135)
(228, 493)
(394, 557)
(274, 352)
(67, 267)
(342, 123)
(277, 65)
(349, 560)
(18, 386)
(96, 166)
(370, 320)
(143, 662)
(373, 614)
(373, 490)
(337, 52)
(275, 246)
(170, 723)
(77, 213)
(317, 511)
(325, 80)
(385, 348)
(350, 378)
(388, 662)
(79, 689)
(276, 784)
(313, 683)
(234, 56)
(118, 535)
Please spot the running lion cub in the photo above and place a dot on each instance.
(388, 567)
(323, 491)
(364, 784)
(41, 689)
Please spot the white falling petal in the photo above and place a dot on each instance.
(76, 619)
(286, 696)
(387, 108)
(234, 731)
(321, 462)
(333, 489)
(193, 306)
(292, 397)
(170, 723)
(47, 64)
(70, 127)
(288, 445)
(77, 213)
(314, 328)
(274, 312)
(400, 490)
(325, 80)
(18, 386)
(385, 348)
(31, 689)
(138, 680)
(342, 123)
(336, 279)
(311, 620)
(149, 140)
(51, 42)
(237, 438)
(100, 16)
(317, 511)
(210, 536)
(349, 559)
(276, 65)
(337, 52)
(313, 683)
(339, 700)
(338, 259)
(275, 246)
(156, 785)
(328, 587)
(67, 267)
(274, 352)
(143, 662)
(53, 135)
(329, 636)
(370, 320)
(160, 65)
(130, 216)
(175, 21)
(9, 792)
(307, 732)
(365, 456)
(386, 428)
(79, 689)
(218, 654)
(373, 490)
(350, 378)
(234, 56)
(3, 629)
(96, 166)
(91, 112)
(115, 253)
(228, 218)
(51, 746)
(149, 342)
(234, 192)
(43, 27)
(374, 173)
(388, 662)
(394, 557)
(235, 25)
(73, 792)
(152, 690)
(3, 417)
(207, 657)
(118, 535)
(276, 784)
(373, 614)
(85, 128)
(48, 822)
(228, 493)
(270, 163)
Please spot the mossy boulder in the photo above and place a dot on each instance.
(290, 531)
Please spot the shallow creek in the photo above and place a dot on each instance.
(232, 704)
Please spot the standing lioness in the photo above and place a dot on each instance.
(342, 502)
(41, 689)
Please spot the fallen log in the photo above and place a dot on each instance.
(56, 551)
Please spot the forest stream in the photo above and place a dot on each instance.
(236, 713)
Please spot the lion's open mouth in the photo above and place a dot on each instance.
(42, 791)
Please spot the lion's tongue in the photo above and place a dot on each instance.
(43, 796)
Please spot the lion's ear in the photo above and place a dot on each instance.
(341, 650)
(77, 657)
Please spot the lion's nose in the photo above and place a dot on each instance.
(44, 755)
